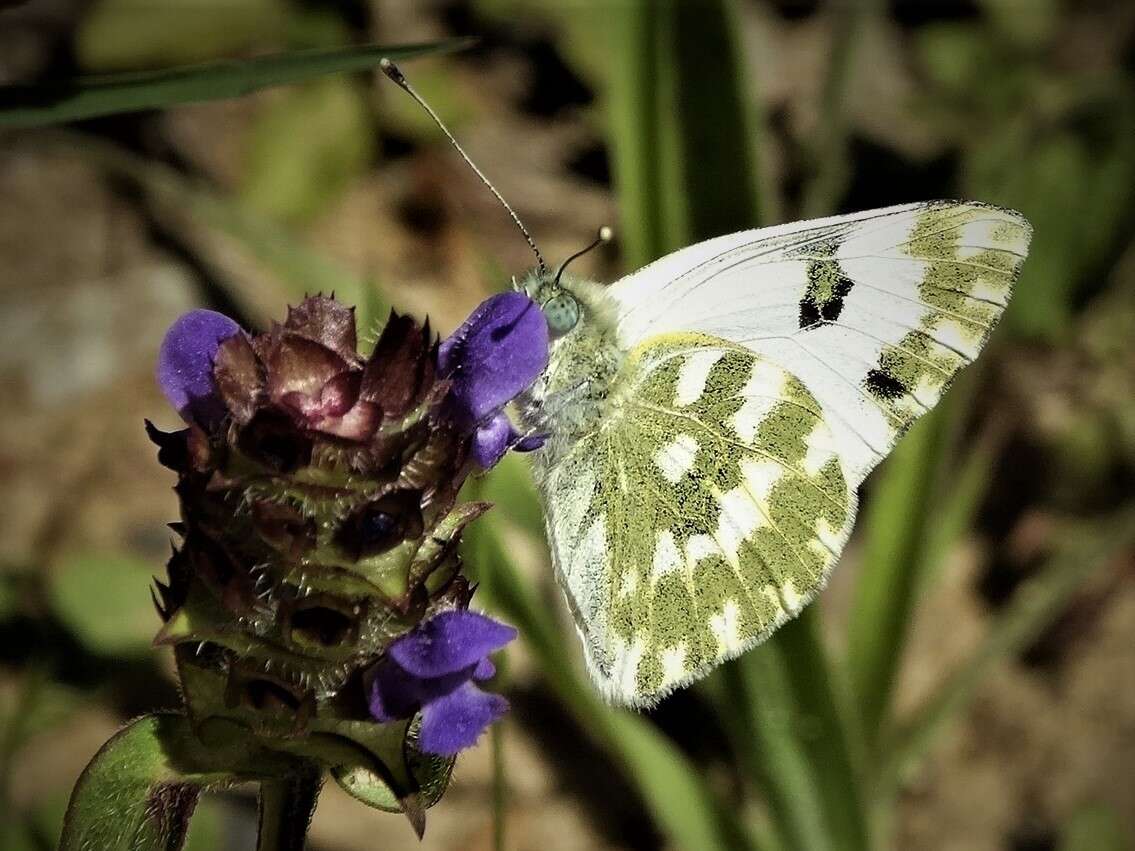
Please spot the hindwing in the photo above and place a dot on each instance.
(705, 510)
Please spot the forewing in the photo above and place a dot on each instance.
(874, 312)
(706, 511)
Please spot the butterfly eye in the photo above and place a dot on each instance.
(562, 313)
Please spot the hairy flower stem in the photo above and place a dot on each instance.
(286, 807)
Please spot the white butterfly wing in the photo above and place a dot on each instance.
(875, 312)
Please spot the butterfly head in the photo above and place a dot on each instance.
(562, 300)
(562, 312)
(557, 299)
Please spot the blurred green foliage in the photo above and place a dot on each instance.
(119, 35)
(1059, 146)
(104, 600)
(1094, 828)
(305, 149)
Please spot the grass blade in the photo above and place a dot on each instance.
(828, 157)
(286, 807)
(958, 504)
(682, 804)
(87, 97)
(1085, 547)
(827, 727)
(923, 499)
(500, 787)
(678, 104)
(635, 116)
(896, 523)
(756, 707)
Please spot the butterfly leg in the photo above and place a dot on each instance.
(541, 413)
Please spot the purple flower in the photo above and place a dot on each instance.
(432, 669)
(185, 365)
(494, 356)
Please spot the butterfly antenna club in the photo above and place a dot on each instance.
(395, 74)
(604, 235)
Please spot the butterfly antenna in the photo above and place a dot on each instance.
(605, 234)
(395, 74)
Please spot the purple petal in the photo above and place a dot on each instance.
(396, 693)
(491, 440)
(449, 642)
(185, 365)
(485, 670)
(497, 353)
(454, 722)
(393, 693)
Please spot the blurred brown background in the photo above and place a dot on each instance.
(98, 255)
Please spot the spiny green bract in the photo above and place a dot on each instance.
(317, 527)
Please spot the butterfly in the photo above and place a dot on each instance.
(709, 418)
(712, 415)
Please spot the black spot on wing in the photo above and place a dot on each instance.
(883, 385)
(827, 288)
(809, 312)
(832, 308)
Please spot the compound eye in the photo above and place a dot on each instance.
(562, 313)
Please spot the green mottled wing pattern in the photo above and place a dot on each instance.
(706, 510)
(713, 414)
(875, 312)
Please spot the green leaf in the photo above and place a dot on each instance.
(960, 500)
(712, 109)
(826, 726)
(681, 801)
(685, 167)
(105, 601)
(500, 787)
(756, 707)
(828, 159)
(207, 829)
(896, 523)
(642, 133)
(139, 790)
(85, 97)
(681, 128)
